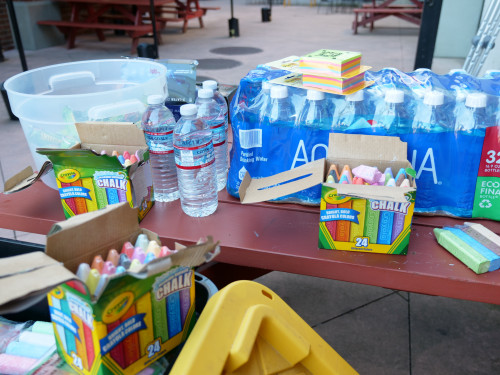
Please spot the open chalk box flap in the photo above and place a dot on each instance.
(26, 279)
(281, 184)
(25, 178)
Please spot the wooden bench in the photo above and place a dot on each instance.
(69, 29)
(183, 12)
(371, 14)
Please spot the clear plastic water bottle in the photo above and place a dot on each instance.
(261, 101)
(353, 115)
(472, 118)
(158, 125)
(195, 161)
(392, 115)
(316, 112)
(281, 110)
(219, 98)
(210, 111)
(431, 116)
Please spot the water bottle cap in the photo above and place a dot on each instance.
(210, 84)
(155, 99)
(279, 92)
(315, 95)
(266, 85)
(189, 110)
(434, 98)
(358, 96)
(394, 96)
(205, 93)
(453, 71)
(476, 100)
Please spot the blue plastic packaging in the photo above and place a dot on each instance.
(446, 159)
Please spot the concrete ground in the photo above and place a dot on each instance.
(378, 331)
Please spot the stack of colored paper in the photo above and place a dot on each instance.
(334, 71)
(473, 244)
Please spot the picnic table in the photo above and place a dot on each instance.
(369, 13)
(130, 16)
(259, 238)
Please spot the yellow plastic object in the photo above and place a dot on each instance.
(246, 328)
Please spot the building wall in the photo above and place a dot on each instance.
(6, 37)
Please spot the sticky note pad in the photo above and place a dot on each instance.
(464, 252)
(330, 62)
(336, 85)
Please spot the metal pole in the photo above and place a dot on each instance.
(153, 20)
(428, 33)
(17, 35)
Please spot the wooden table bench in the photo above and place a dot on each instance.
(369, 14)
(182, 12)
(96, 15)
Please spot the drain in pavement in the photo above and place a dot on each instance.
(236, 50)
(213, 64)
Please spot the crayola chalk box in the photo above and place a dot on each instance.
(89, 180)
(352, 217)
(367, 218)
(135, 318)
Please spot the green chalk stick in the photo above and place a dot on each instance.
(465, 253)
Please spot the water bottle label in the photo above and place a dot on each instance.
(218, 135)
(159, 143)
(196, 157)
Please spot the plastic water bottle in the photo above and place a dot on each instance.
(472, 118)
(392, 115)
(195, 161)
(261, 101)
(158, 125)
(210, 111)
(316, 112)
(219, 98)
(431, 117)
(353, 115)
(281, 110)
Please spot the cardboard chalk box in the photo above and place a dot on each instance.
(135, 319)
(363, 218)
(89, 181)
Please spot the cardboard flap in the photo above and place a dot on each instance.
(110, 133)
(25, 178)
(369, 147)
(281, 184)
(26, 278)
(69, 240)
(382, 193)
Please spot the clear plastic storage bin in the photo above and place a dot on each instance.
(49, 100)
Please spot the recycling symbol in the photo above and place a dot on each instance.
(242, 172)
(485, 203)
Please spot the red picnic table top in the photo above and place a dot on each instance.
(258, 238)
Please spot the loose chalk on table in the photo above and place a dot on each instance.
(15, 365)
(43, 327)
(465, 253)
(36, 338)
(24, 349)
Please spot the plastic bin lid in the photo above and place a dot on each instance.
(246, 328)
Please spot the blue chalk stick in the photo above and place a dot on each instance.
(24, 349)
(478, 246)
